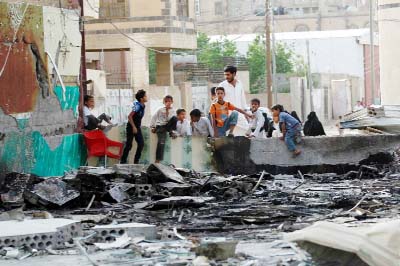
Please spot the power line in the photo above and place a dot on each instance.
(129, 37)
(144, 46)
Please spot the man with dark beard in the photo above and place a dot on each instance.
(313, 127)
(235, 93)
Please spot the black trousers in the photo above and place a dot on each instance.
(94, 122)
(128, 145)
(162, 136)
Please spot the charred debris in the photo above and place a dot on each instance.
(193, 217)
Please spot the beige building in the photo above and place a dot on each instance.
(224, 17)
(119, 41)
(389, 52)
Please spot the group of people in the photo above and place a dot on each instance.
(227, 102)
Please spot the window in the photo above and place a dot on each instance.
(218, 8)
(197, 7)
(182, 8)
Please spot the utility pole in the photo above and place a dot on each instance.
(274, 82)
(268, 63)
(372, 48)
(82, 78)
(309, 76)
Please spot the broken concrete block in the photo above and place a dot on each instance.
(51, 192)
(129, 169)
(108, 233)
(171, 188)
(162, 173)
(184, 172)
(122, 191)
(183, 201)
(14, 186)
(369, 172)
(216, 248)
(15, 214)
(144, 190)
(88, 185)
(38, 233)
(97, 171)
(120, 242)
(168, 235)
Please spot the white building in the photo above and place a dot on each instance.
(331, 52)
(389, 14)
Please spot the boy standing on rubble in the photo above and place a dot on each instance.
(256, 126)
(163, 121)
(291, 128)
(221, 120)
(133, 128)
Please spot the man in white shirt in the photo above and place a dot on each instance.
(201, 126)
(182, 125)
(256, 127)
(234, 93)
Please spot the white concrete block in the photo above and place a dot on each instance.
(111, 232)
(38, 234)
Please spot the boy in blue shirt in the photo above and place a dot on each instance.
(291, 128)
(133, 128)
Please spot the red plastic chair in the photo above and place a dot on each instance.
(97, 145)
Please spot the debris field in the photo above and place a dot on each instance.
(161, 215)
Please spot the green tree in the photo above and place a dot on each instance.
(152, 67)
(287, 62)
(211, 54)
(256, 61)
(284, 56)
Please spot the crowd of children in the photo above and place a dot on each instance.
(220, 121)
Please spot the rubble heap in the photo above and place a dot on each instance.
(172, 216)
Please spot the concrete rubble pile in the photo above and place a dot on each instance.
(161, 215)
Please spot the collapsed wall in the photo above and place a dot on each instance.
(38, 113)
(319, 154)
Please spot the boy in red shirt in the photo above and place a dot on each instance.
(221, 120)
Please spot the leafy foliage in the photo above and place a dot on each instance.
(211, 54)
(287, 62)
(152, 67)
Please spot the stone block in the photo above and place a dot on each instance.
(39, 234)
(107, 233)
(129, 169)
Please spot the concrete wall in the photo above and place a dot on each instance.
(283, 99)
(389, 12)
(368, 73)
(38, 116)
(319, 154)
(334, 52)
(191, 153)
(332, 95)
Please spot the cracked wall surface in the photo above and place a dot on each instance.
(38, 116)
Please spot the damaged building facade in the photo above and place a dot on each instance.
(39, 101)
